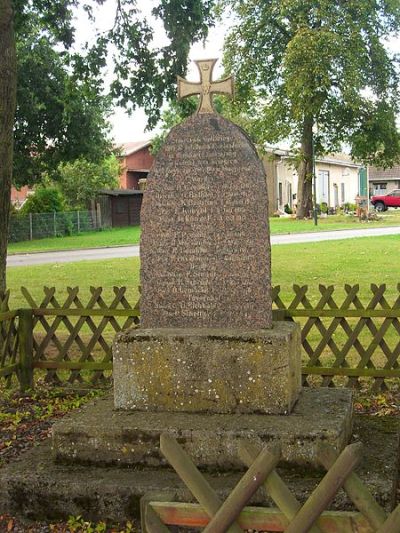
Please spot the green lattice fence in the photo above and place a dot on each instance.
(348, 333)
(8, 340)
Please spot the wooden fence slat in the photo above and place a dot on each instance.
(25, 337)
(8, 315)
(345, 313)
(392, 524)
(275, 486)
(72, 365)
(326, 490)
(255, 476)
(193, 479)
(356, 372)
(356, 490)
(257, 518)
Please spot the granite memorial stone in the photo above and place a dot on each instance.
(205, 249)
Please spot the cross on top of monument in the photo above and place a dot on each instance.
(206, 87)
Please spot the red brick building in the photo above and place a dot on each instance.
(18, 196)
(121, 207)
(136, 163)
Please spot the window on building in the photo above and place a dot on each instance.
(380, 188)
(342, 193)
(335, 195)
(323, 187)
(289, 193)
(280, 194)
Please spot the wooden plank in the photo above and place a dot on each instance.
(392, 524)
(6, 339)
(25, 341)
(72, 365)
(351, 372)
(326, 490)
(86, 312)
(192, 477)
(344, 313)
(258, 518)
(355, 488)
(152, 522)
(279, 314)
(275, 486)
(145, 500)
(262, 466)
(9, 315)
(8, 370)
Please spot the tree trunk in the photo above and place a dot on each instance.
(305, 172)
(8, 89)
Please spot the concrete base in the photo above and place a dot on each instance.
(100, 435)
(208, 370)
(35, 487)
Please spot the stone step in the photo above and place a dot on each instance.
(100, 435)
(35, 487)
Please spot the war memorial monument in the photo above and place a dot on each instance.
(208, 363)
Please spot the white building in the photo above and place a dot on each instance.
(338, 179)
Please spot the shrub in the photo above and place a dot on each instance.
(45, 200)
(348, 207)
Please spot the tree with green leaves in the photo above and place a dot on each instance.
(317, 72)
(144, 74)
(8, 98)
(61, 114)
(81, 180)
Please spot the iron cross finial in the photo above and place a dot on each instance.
(206, 87)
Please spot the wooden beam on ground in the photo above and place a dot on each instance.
(258, 518)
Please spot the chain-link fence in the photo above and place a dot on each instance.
(41, 225)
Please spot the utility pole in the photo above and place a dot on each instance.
(314, 178)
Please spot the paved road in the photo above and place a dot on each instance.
(116, 252)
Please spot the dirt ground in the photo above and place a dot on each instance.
(26, 420)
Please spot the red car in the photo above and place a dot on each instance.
(382, 202)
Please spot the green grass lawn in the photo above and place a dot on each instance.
(363, 260)
(131, 235)
(359, 261)
(90, 239)
(334, 222)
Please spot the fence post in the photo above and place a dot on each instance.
(79, 222)
(55, 223)
(98, 216)
(30, 227)
(25, 338)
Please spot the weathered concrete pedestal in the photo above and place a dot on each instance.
(208, 370)
(211, 388)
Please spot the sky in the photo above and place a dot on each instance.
(126, 128)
